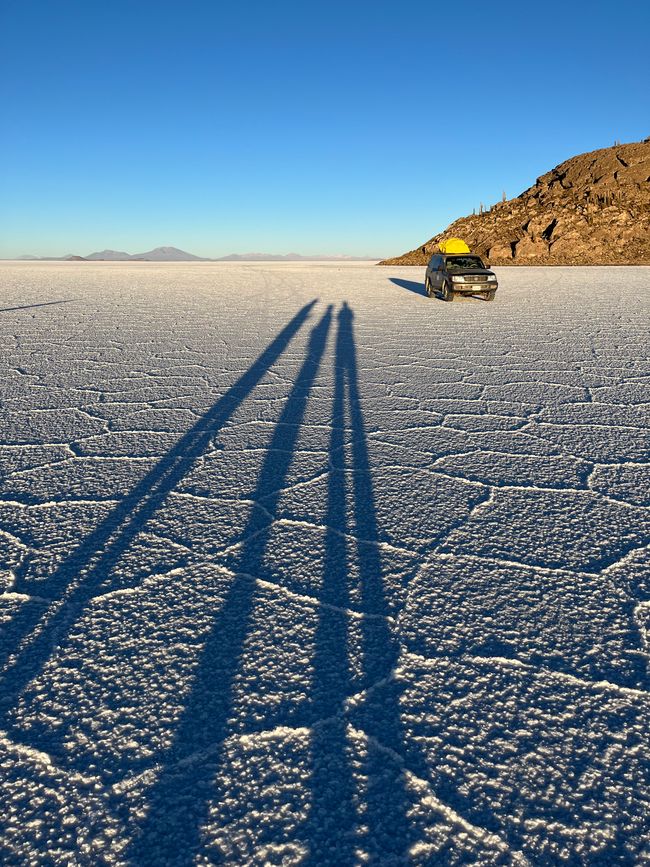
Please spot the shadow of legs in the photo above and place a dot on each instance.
(333, 823)
(88, 570)
(333, 819)
(179, 801)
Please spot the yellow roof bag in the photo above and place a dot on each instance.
(453, 245)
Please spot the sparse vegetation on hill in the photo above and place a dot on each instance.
(593, 209)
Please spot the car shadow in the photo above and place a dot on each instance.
(411, 285)
(418, 289)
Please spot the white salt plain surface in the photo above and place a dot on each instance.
(298, 566)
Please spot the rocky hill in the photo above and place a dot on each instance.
(593, 209)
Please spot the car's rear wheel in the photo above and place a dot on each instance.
(427, 286)
(447, 292)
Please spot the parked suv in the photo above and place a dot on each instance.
(459, 274)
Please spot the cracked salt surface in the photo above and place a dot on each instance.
(298, 567)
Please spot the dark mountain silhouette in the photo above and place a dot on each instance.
(167, 254)
(158, 254)
(108, 256)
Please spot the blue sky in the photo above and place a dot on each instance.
(338, 127)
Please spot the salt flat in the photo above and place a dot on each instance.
(301, 567)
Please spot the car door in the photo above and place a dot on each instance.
(431, 270)
(436, 277)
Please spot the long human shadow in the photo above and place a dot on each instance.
(42, 304)
(179, 801)
(87, 571)
(333, 822)
(332, 818)
(418, 288)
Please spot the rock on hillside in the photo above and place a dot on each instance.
(593, 209)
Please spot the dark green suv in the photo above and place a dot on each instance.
(459, 274)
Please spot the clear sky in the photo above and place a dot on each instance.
(323, 127)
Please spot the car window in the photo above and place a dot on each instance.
(459, 263)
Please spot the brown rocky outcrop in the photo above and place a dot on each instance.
(593, 209)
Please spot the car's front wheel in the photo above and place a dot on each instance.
(489, 296)
(427, 286)
(447, 292)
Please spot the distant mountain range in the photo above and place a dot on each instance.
(173, 254)
(158, 254)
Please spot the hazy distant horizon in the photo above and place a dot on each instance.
(249, 255)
